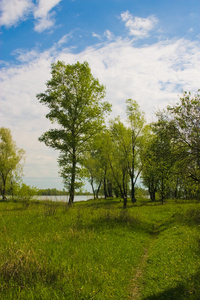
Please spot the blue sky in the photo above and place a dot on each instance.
(147, 50)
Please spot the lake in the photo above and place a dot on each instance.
(65, 198)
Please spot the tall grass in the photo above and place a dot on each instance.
(94, 249)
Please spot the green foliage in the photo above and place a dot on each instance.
(136, 121)
(141, 193)
(51, 192)
(97, 163)
(10, 158)
(185, 116)
(136, 118)
(171, 165)
(73, 97)
(158, 158)
(150, 175)
(25, 193)
(119, 156)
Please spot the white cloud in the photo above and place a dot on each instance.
(65, 39)
(24, 115)
(138, 27)
(43, 15)
(44, 23)
(108, 34)
(44, 7)
(96, 35)
(153, 75)
(12, 11)
(24, 55)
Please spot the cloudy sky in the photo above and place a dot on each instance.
(147, 50)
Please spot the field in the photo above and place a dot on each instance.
(98, 250)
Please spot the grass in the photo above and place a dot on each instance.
(97, 250)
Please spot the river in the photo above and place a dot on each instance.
(65, 198)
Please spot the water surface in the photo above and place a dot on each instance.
(65, 198)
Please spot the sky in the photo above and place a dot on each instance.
(147, 50)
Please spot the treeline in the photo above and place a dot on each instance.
(112, 154)
(164, 154)
(55, 192)
(51, 192)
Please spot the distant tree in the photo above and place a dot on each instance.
(25, 193)
(74, 97)
(171, 157)
(185, 116)
(164, 154)
(136, 121)
(10, 158)
(97, 164)
(150, 175)
(119, 156)
(94, 172)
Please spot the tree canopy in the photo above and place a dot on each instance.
(74, 98)
(164, 154)
(186, 119)
(10, 160)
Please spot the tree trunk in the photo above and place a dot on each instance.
(116, 191)
(3, 193)
(162, 190)
(124, 189)
(110, 190)
(133, 199)
(3, 190)
(125, 201)
(97, 192)
(152, 195)
(132, 173)
(152, 191)
(176, 188)
(105, 187)
(92, 185)
(72, 185)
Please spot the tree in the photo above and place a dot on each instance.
(186, 118)
(171, 158)
(94, 171)
(119, 156)
(74, 97)
(97, 164)
(164, 153)
(150, 174)
(10, 158)
(136, 121)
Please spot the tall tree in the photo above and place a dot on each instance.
(73, 97)
(97, 164)
(119, 156)
(164, 153)
(10, 158)
(186, 118)
(150, 174)
(94, 171)
(136, 122)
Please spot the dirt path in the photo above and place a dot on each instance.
(138, 276)
(141, 267)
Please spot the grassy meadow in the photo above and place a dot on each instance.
(98, 250)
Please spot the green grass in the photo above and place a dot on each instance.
(95, 250)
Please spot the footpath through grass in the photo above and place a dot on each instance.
(98, 250)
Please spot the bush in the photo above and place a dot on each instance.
(25, 193)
